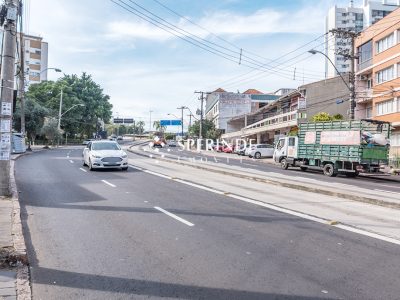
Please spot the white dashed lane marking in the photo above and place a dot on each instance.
(110, 184)
(83, 170)
(174, 216)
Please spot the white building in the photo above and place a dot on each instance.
(354, 19)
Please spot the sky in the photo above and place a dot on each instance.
(142, 67)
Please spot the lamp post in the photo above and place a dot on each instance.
(62, 114)
(351, 87)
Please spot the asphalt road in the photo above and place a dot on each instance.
(118, 235)
(381, 184)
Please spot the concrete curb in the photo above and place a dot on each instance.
(19, 256)
(282, 184)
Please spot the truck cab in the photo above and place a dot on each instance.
(286, 148)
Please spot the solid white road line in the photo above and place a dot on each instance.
(83, 170)
(110, 184)
(136, 168)
(390, 192)
(280, 209)
(174, 216)
(71, 161)
(391, 186)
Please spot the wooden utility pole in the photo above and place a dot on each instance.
(7, 93)
(22, 81)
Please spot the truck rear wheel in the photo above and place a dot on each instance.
(303, 169)
(284, 164)
(329, 170)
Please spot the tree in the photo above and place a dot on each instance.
(122, 130)
(50, 130)
(157, 125)
(140, 127)
(76, 90)
(34, 119)
(208, 130)
(325, 117)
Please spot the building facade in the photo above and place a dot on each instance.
(36, 59)
(283, 115)
(353, 19)
(378, 75)
(221, 105)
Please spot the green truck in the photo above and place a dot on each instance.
(346, 147)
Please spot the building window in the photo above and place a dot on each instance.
(368, 112)
(395, 140)
(384, 75)
(386, 107)
(385, 43)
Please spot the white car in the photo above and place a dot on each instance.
(261, 150)
(104, 155)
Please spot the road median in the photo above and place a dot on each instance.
(303, 184)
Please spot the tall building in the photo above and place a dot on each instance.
(378, 75)
(36, 59)
(354, 19)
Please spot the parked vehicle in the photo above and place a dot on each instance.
(104, 155)
(337, 147)
(242, 149)
(261, 150)
(171, 144)
(85, 142)
(227, 149)
(119, 138)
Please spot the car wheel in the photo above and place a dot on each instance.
(257, 155)
(329, 170)
(284, 164)
(84, 163)
(124, 169)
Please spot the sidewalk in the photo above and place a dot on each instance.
(14, 273)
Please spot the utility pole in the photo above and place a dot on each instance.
(7, 93)
(150, 111)
(201, 112)
(182, 108)
(22, 79)
(190, 119)
(349, 54)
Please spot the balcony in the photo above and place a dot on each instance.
(273, 123)
(364, 65)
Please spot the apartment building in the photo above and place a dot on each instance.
(221, 105)
(36, 59)
(378, 74)
(353, 19)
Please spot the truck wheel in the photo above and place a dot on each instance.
(329, 170)
(303, 169)
(284, 164)
(257, 155)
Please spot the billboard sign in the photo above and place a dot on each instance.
(118, 121)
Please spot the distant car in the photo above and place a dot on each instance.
(261, 150)
(227, 149)
(172, 144)
(104, 155)
(85, 142)
(119, 138)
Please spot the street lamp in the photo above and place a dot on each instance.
(55, 69)
(351, 88)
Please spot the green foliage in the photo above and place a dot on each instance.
(170, 136)
(325, 117)
(34, 118)
(157, 125)
(50, 130)
(208, 130)
(76, 90)
(294, 131)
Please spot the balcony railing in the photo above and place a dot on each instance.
(364, 65)
(272, 123)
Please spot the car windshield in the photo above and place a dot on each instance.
(105, 146)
